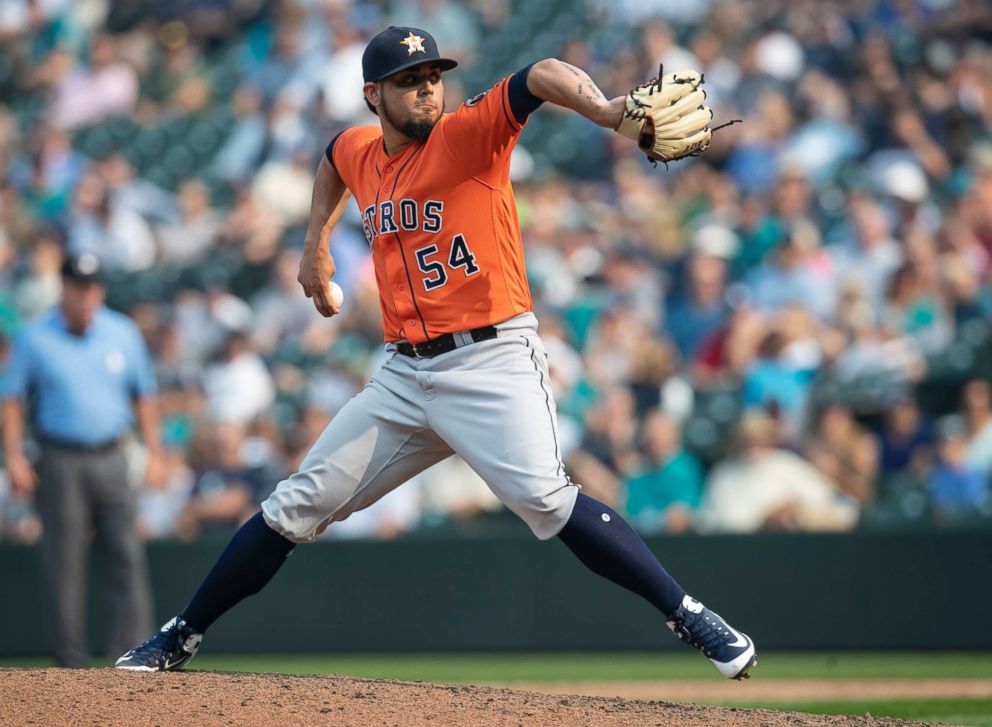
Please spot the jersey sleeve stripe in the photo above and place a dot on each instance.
(329, 151)
(506, 107)
(522, 102)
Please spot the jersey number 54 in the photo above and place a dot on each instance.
(459, 257)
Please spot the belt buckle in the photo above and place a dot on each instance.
(416, 351)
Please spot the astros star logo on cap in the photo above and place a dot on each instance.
(413, 44)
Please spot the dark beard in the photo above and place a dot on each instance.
(418, 130)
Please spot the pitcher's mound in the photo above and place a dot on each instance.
(110, 697)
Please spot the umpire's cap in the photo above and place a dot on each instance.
(84, 268)
(398, 48)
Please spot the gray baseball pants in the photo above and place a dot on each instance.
(490, 402)
(84, 497)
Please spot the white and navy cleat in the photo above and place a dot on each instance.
(170, 649)
(730, 651)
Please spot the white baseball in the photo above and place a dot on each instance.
(334, 294)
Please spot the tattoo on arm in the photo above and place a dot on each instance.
(587, 99)
(592, 92)
(572, 69)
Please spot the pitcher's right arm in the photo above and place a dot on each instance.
(330, 196)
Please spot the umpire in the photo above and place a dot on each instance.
(83, 372)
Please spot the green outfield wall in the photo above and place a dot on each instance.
(913, 590)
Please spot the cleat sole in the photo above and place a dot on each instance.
(745, 672)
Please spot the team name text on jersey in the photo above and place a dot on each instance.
(406, 214)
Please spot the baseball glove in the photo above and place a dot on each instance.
(668, 117)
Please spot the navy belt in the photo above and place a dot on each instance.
(97, 448)
(447, 342)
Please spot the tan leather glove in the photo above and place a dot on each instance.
(668, 116)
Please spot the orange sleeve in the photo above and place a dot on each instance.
(342, 151)
(481, 133)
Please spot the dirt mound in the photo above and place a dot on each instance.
(204, 699)
(773, 690)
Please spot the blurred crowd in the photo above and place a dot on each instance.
(791, 332)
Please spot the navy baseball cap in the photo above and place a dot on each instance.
(85, 268)
(398, 48)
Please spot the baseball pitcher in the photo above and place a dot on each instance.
(466, 371)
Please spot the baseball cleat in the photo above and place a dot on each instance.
(730, 651)
(169, 649)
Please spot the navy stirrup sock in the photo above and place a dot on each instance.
(609, 547)
(248, 562)
(596, 534)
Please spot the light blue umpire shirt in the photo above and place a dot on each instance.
(80, 388)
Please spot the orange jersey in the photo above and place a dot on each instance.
(441, 220)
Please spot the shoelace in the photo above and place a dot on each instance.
(704, 634)
(163, 641)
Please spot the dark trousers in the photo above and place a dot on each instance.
(84, 498)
